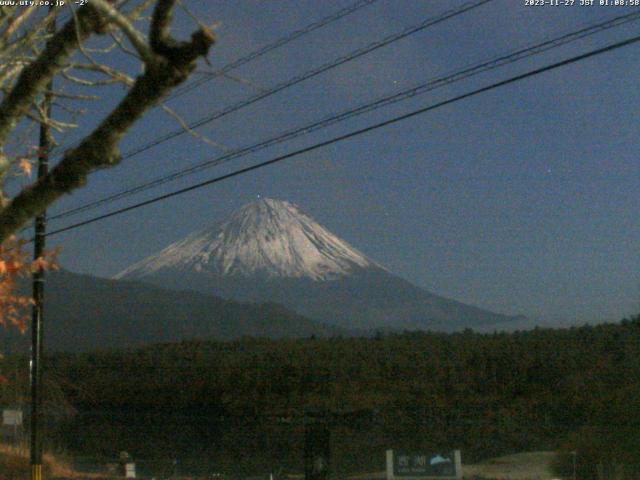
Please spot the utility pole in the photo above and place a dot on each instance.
(317, 445)
(44, 147)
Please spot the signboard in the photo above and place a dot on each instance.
(422, 465)
(130, 470)
(11, 417)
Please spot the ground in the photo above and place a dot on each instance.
(14, 465)
(521, 466)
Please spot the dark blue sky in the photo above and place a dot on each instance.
(520, 200)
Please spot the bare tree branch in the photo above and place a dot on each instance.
(244, 81)
(73, 96)
(121, 45)
(191, 131)
(113, 73)
(57, 125)
(171, 64)
(37, 75)
(95, 83)
(15, 23)
(139, 10)
(135, 37)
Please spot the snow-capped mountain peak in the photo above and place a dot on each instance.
(267, 238)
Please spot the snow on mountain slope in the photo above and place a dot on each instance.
(269, 251)
(268, 238)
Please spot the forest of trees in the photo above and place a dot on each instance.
(573, 389)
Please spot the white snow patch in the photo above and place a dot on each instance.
(268, 237)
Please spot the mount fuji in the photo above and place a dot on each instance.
(270, 251)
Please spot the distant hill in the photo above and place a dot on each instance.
(85, 313)
(270, 250)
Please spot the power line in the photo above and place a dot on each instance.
(358, 132)
(272, 46)
(268, 48)
(428, 86)
(310, 74)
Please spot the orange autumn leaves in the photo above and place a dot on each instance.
(14, 265)
(25, 166)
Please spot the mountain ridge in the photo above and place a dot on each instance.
(87, 313)
(271, 251)
(269, 238)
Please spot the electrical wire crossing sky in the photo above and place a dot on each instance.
(491, 153)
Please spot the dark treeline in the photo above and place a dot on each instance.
(572, 389)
